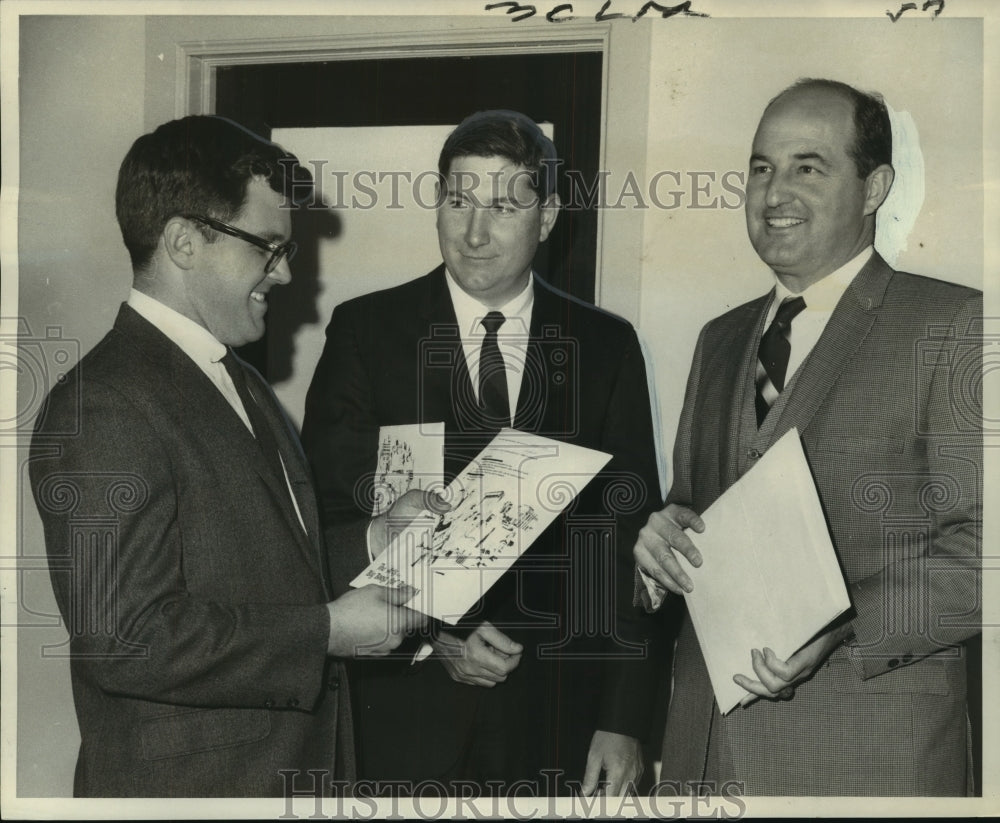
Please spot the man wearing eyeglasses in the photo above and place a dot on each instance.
(180, 521)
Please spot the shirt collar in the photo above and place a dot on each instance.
(195, 341)
(824, 294)
(469, 311)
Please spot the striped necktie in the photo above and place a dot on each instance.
(773, 354)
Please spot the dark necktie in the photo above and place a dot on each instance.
(774, 352)
(261, 428)
(493, 398)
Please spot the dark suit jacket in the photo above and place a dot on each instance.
(395, 357)
(193, 598)
(888, 408)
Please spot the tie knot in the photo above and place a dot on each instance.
(493, 321)
(229, 361)
(233, 368)
(787, 311)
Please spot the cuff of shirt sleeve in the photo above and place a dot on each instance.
(653, 595)
(425, 651)
(368, 540)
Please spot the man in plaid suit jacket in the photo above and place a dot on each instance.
(882, 384)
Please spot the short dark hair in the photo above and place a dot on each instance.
(199, 165)
(507, 134)
(872, 129)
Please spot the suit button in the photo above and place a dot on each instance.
(907, 658)
(333, 684)
(893, 663)
(268, 704)
(292, 702)
(754, 454)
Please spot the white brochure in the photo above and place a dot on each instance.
(410, 456)
(499, 503)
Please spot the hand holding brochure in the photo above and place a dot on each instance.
(770, 575)
(500, 503)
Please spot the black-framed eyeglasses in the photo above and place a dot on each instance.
(279, 251)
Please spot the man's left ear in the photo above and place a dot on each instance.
(877, 187)
(550, 211)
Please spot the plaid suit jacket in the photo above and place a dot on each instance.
(889, 411)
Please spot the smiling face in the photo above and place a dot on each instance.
(807, 210)
(489, 224)
(226, 290)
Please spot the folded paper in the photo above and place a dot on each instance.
(770, 575)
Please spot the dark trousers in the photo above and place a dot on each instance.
(420, 732)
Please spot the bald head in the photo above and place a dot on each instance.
(872, 142)
(809, 209)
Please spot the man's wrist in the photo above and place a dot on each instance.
(846, 635)
(333, 631)
(655, 593)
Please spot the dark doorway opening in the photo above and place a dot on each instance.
(561, 88)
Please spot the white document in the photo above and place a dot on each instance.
(770, 576)
(500, 503)
(410, 456)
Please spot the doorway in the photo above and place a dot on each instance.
(382, 94)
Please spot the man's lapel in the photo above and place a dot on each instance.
(849, 325)
(736, 360)
(294, 462)
(207, 410)
(225, 435)
(541, 402)
(444, 390)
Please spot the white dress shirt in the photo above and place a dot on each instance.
(512, 337)
(201, 346)
(512, 340)
(821, 299)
